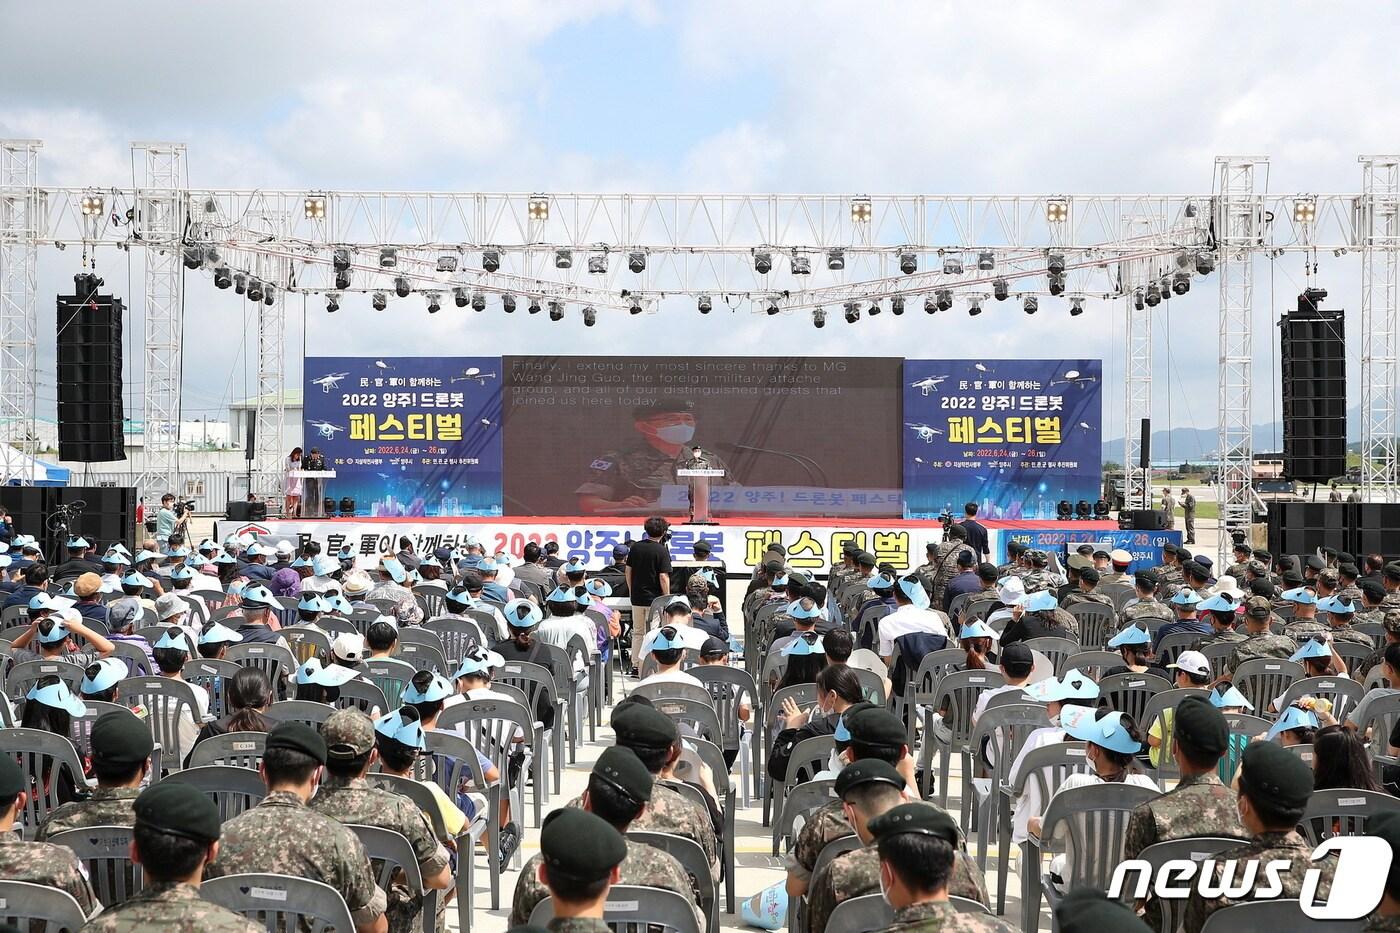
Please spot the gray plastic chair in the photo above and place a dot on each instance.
(536, 680)
(1054, 648)
(137, 664)
(456, 636)
(281, 902)
(1005, 727)
(233, 789)
(672, 691)
(864, 914)
(307, 711)
(697, 714)
(632, 909)
(26, 674)
(693, 860)
(957, 693)
(363, 696)
(1263, 679)
(449, 762)
(1046, 768)
(1273, 916)
(1153, 714)
(800, 802)
(808, 757)
(390, 675)
(1343, 811)
(80, 727)
(1095, 620)
(306, 642)
(105, 852)
(1173, 912)
(491, 725)
(213, 676)
(1172, 645)
(278, 663)
(797, 907)
(37, 752)
(32, 907)
(393, 862)
(1130, 693)
(1219, 654)
(424, 656)
(713, 758)
(1092, 663)
(169, 703)
(804, 695)
(232, 749)
(1342, 691)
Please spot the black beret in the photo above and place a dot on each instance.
(850, 547)
(1314, 562)
(1261, 554)
(641, 726)
(1169, 549)
(797, 578)
(1344, 558)
(877, 726)
(1391, 571)
(922, 818)
(298, 737)
(1015, 547)
(121, 738)
(1275, 774)
(988, 572)
(1146, 578)
(1261, 587)
(620, 767)
(178, 810)
(1373, 589)
(1089, 575)
(1348, 569)
(1202, 726)
(1086, 910)
(580, 845)
(1329, 551)
(931, 546)
(1086, 549)
(1182, 554)
(868, 771)
(773, 566)
(471, 580)
(12, 779)
(1243, 545)
(1100, 552)
(865, 559)
(966, 558)
(702, 546)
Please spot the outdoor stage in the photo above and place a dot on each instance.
(738, 542)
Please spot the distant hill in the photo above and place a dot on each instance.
(1185, 444)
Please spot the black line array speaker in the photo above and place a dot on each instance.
(1314, 391)
(109, 513)
(1377, 526)
(1302, 527)
(1143, 519)
(90, 374)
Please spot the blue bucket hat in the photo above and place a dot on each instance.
(978, 629)
(108, 672)
(1074, 685)
(217, 633)
(1039, 601)
(477, 660)
(1132, 635)
(806, 643)
(521, 613)
(799, 611)
(599, 588)
(440, 688)
(1337, 606)
(1300, 595)
(57, 696)
(561, 595)
(913, 589)
(313, 602)
(405, 732)
(779, 582)
(1107, 731)
(430, 561)
(1230, 697)
(1312, 648)
(329, 675)
(120, 549)
(207, 546)
(177, 638)
(1186, 597)
(1293, 718)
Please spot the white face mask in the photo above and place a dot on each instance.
(884, 894)
(833, 763)
(676, 433)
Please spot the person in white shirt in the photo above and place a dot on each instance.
(1074, 689)
(912, 614)
(171, 652)
(1016, 662)
(668, 647)
(566, 622)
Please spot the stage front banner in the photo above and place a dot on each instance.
(739, 546)
(408, 436)
(1145, 546)
(1014, 436)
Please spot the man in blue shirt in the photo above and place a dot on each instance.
(36, 580)
(965, 581)
(165, 520)
(1184, 605)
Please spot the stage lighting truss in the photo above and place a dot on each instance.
(491, 260)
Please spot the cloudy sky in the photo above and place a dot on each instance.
(604, 95)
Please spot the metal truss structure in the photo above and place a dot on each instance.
(21, 223)
(775, 254)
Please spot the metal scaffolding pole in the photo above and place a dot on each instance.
(22, 217)
(1378, 235)
(159, 224)
(1239, 226)
(270, 412)
(1138, 373)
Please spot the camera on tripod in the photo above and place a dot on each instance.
(183, 507)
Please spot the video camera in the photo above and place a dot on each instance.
(945, 518)
(183, 507)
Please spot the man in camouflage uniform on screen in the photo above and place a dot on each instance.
(121, 753)
(633, 476)
(619, 790)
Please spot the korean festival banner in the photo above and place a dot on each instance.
(1014, 436)
(408, 436)
(1145, 546)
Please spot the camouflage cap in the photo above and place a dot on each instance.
(349, 733)
(1258, 607)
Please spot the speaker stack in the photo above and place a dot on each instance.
(108, 516)
(1302, 527)
(1314, 391)
(89, 374)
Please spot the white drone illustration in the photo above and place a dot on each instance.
(923, 432)
(474, 375)
(330, 381)
(326, 429)
(928, 385)
(1072, 377)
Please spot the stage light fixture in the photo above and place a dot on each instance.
(897, 305)
(636, 307)
(1205, 262)
(478, 302)
(222, 277)
(314, 206)
(447, 262)
(388, 257)
(1190, 210)
(1057, 210)
(332, 302)
(401, 287)
(1000, 290)
(860, 210)
(1181, 282)
(434, 300)
(908, 262)
(490, 260)
(1304, 210)
(801, 265)
(852, 312)
(1064, 510)
(704, 304)
(598, 263)
(1101, 509)
(974, 307)
(986, 261)
(379, 301)
(461, 297)
(210, 207)
(1030, 305)
(930, 305)
(835, 260)
(538, 207)
(340, 259)
(556, 311)
(563, 258)
(1082, 510)
(1138, 303)
(945, 299)
(1154, 296)
(508, 304)
(1164, 288)
(342, 279)
(1057, 283)
(818, 318)
(1055, 263)
(763, 263)
(92, 205)
(874, 308)
(194, 257)
(952, 265)
(590, 316)
(269, 294)
(772, 307)
(1076, 307)
(534, 307)
(240, 283)
(636, 262)
(255, 290)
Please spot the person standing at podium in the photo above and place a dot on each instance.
(631, 477)
(292, 490)
(315, 488)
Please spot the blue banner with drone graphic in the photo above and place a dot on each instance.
(1014, 436)
(407, 436)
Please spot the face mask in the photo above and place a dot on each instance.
(884, 894)
(833, 763)
(676, 433)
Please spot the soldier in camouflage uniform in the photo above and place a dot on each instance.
(1390, 579)
(632, 476)
(988, 593)
(1303, 601)
(916, 845)
(1337, 624)
(121, 755)
(1349, 579)
(1041, 577)
(580, 857)
(618, 790)
(1275, 785)
(1121, 560)
(1013, 566)
(1259, 641)
(176, 833)
(942, 564)
(851, 603)
(37, 862)
(282, 835)
(347, 797)
(844, 569)
(1200, 805)
(1087, 592)
(1241, 553)
(1146, 609)
(1391, 622)
(1386, 918)
(1219, 611)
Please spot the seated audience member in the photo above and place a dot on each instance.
(668, 646)
(1038, 615)
(121, 759)
(918, 848)
(37, 862)
(247, 695)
